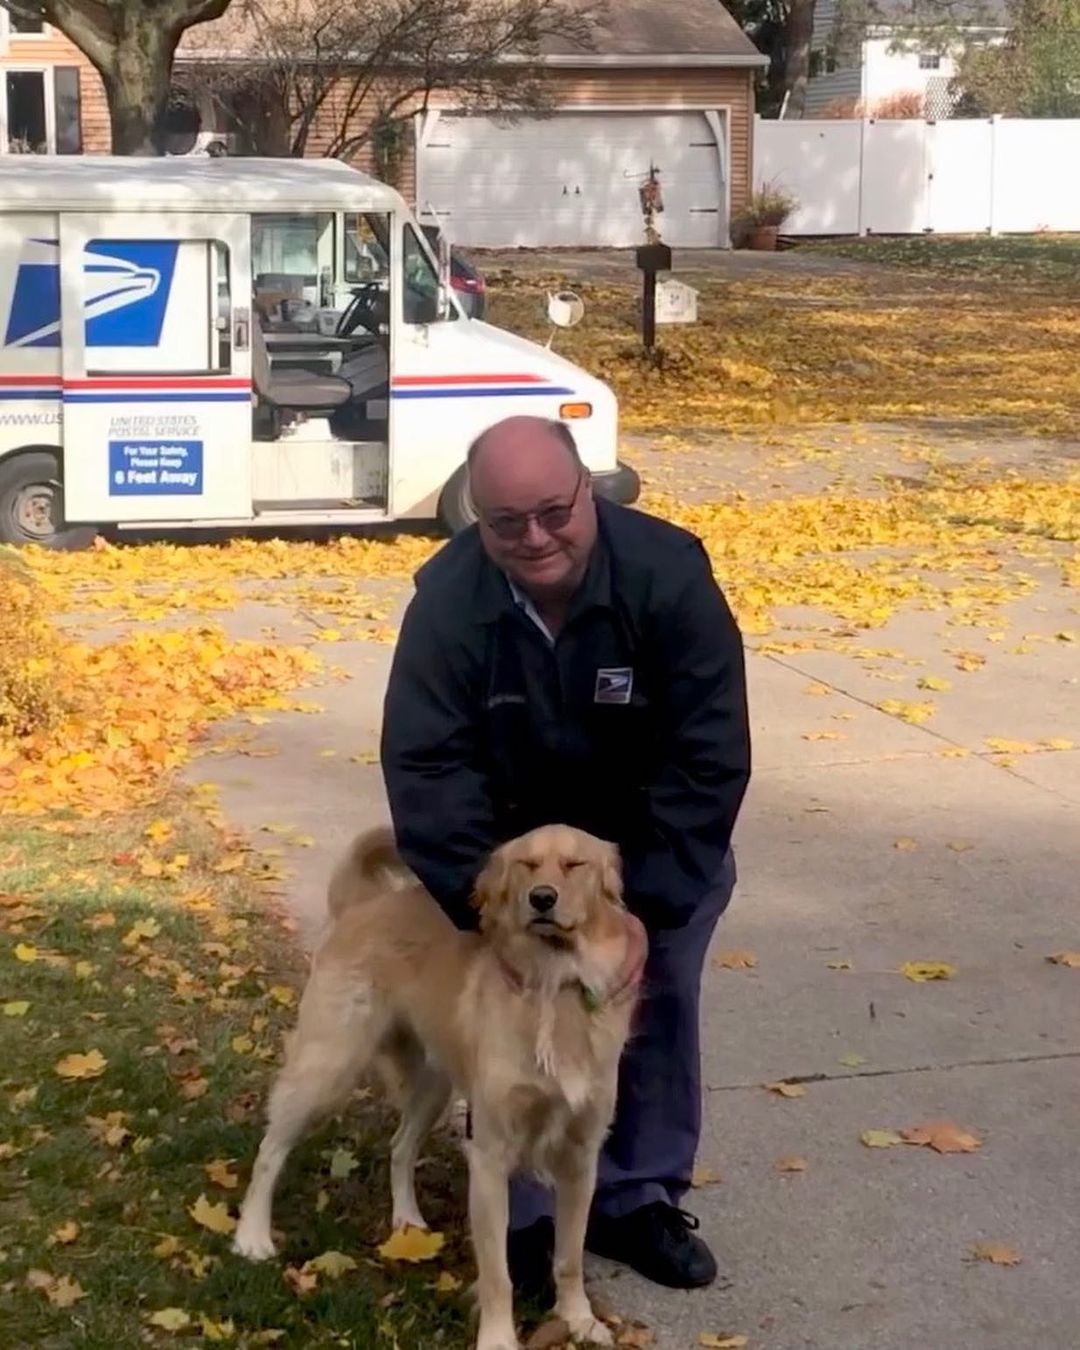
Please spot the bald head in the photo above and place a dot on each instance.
(523, 431)
(536, 513)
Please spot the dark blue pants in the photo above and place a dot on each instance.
(649, 1153)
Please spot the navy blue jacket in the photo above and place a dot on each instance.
(633, 726)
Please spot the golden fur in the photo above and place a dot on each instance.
(526, 1019)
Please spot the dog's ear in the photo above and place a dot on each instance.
(611, 873)
(490, 889)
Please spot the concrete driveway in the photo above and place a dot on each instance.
(899, 843)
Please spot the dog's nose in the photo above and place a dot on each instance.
(543, 898)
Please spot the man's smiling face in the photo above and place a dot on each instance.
(536, 511)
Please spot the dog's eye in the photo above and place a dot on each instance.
(531, 863)
(571, 863)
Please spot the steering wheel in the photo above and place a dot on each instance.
(363, 310)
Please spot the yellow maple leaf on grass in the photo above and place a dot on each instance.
(170, 1319)
(331, 1264)
(215, 1217)
(91, 1065)
(412, 1244)
(219, 1173)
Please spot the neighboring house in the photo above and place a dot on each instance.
(52, 99)
(880, 60)
(666, 85)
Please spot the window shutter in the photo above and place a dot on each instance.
(68, 107)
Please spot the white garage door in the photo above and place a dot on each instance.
(572, 180)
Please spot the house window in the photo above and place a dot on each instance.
(929, 60)
(25, 27)
(40, 111)
(27, 129)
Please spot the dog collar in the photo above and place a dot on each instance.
(593, 1001)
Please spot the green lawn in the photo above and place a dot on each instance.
(1050, 260)
(183, 986)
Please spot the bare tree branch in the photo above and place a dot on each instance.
(340, 71)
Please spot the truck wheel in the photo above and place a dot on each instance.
(32, 504)
(455, 510)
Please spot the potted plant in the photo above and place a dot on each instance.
(760, 220)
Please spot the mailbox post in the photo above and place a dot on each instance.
(651, 258)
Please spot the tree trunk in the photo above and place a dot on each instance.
(137, 86)
(798, 37)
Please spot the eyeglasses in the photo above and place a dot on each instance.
(551, 519)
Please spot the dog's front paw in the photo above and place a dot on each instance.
(256, 1245)
(497, 1338)
(589, 1330)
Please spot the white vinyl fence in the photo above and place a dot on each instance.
(995, 175)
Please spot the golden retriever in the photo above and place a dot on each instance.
(526, 1020)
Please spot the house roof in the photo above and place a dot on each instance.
(627, 33)
(944, 13)
(663, 28)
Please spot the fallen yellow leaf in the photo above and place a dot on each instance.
(218, 1172)
(905, 844)
(922, 971)
(281, 993)
(17, 1007)
(785, 1089)
(722, 1341)
(214, 1217)
(25, 951)
(1071, 959)
(791, 1163)
(934, 683)
(170, 1319)
(838, 965)
(943, 1137)
(90, 1065)
(704, 1176)
(412, 1244)
(881, 1138)
(331, 1264)
(735, 960)
(996, 1253)
(447, 1283)
(1003, 746)
(67, 1233)
(217, 1331)
(140, 931)
(915, 713)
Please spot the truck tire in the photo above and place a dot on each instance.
(32, 504)
(455, 510)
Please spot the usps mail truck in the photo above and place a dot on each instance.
(246, 343)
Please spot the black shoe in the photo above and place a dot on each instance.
(531, 1253)
(659, 1242)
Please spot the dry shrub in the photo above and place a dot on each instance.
(906, 105)
(30, 647)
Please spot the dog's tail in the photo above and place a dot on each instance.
(371, 866)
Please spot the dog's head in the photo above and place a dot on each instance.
(556, 884)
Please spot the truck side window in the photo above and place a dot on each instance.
(420, 282)
(156, 306)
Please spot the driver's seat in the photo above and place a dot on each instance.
(299, 390)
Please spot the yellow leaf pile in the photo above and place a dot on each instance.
(133, 710)
(827, 349)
